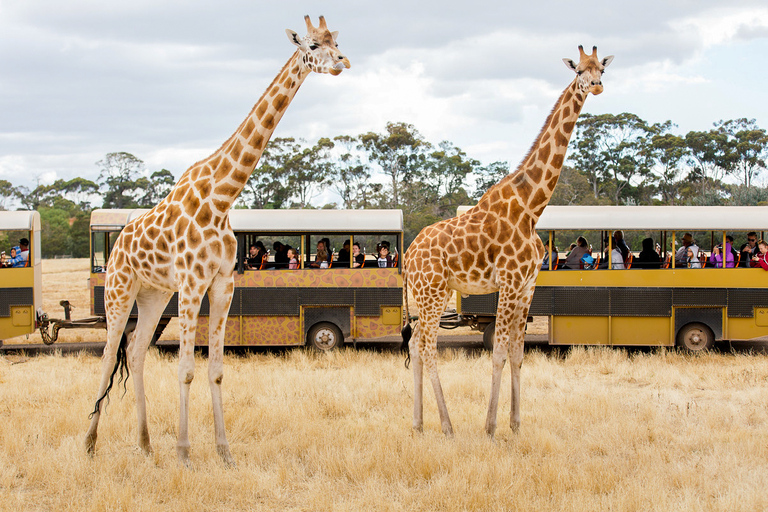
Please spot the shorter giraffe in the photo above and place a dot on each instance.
(493, 247)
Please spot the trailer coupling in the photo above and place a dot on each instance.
(55, 324)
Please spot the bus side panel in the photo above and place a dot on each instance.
(643, 330)
(749, 328)
(271, 330)
(96, 279)
(374, 327)
(580, 330)
(17, 301)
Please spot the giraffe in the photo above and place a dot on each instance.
(493, 247)
(185, 244)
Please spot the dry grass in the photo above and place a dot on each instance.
(602, 430)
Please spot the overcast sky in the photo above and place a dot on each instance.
(169, 81)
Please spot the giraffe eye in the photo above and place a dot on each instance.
(313, 47)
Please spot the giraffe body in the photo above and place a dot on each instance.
(186, 244)
(494, 247)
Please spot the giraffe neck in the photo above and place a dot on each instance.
(534, 180)
(222, 176)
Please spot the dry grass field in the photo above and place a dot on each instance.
(603, 429)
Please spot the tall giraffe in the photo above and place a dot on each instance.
(493, 247)
(186, 244)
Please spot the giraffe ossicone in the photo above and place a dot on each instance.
(493, 247)
(186, 245)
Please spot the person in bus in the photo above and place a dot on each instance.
(8, 262)
(617, 259)
(761, 258)
(692, 257)
(321, 256)
(385, 259)
(293, 260)
(343, 258)
(681, 256)
(555, 257)
(618, 241)
(573, 260)
(281, 254)
(22, 255)
(256, 254)
(730, 254)
(357, 255)
(328, 251)
(749, 250)
(648, 257)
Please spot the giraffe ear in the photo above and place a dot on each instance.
(294, 37)
(334, 35)
(571, 65)
(607, 61)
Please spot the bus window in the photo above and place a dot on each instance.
(266, 251)
(102, 243)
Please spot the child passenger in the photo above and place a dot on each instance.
(385, 259)
(293, 261)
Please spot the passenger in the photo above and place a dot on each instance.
(681, 256)
(617, 259)
(256, 254)
(7, 260)
(328, 251)
(281, 255)
(385, 259)
(648, 257)
(573, 260)
(761, 258)
(692, 257)
(717, 256)
(357, 255)
(618, 241)
(321, 257)
(343, 259)
(293, 260)
(555, 257)
(21, 259)
(749, 250)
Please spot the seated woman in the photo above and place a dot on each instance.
(357, 256)
(573, 260)
(321, 257)
(648, 257)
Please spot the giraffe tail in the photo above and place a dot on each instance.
(121, 365)
(407, 331)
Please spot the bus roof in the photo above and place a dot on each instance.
(282, 221)
(667, 218)
(20, 221)
(322, 221)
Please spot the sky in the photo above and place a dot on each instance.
(170, 80)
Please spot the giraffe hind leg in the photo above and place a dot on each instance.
(418, 379)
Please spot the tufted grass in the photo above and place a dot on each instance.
(602, 429)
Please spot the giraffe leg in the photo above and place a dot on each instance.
(151, 303)
(429, 357)
(505, 311)
(189, 308)
(220, 295)
(516, 347)
(418, 379)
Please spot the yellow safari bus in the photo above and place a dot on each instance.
(316, 277)
(21, 295)
(649, 289)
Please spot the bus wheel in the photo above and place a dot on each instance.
(695, 337)
(325, 336)
(489, 334)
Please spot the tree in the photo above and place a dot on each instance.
(488, 176)
(668, 153)
(708, 158)
(398, 152)
(350, 177)
(265, 187)
(445, 174)
(155, 188)
(7, 192)
(119, 175)
(746, 147)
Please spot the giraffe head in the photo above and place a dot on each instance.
(320, 52)
(589, 70)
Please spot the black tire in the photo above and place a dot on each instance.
(695, 337)
(489, 334)
(324, 337)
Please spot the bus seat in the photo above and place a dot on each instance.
(630, 259)
(667, 261)
(330, 262)
(395, 258)
(597, 262)
(264, 261)
(703, 259)
(363, 263)
(738, 260)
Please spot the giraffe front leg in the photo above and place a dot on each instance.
(418, 380)
(188, 313)
(428, 345)
(499, 358)
(220, 298)
(517, 348)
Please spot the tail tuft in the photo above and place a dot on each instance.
(121, 365)
(406, 333)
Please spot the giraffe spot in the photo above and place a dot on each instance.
(546, 137)
(236, 148)
(566, 112)
(474, 275)
(544, 156)
(488, 273)
(280, 102)
(555, 119)
(524, 190)
(203, 254)
(145, 265)
(181, 226)
(467, 259)
(268, 122)
(152, 232)
(226, 189)
(501, 209)
(481, 260)
(257, 141)
(188, 260)
(216, 248)
(248, 128)
(223, 170)
(194, 174)
(261, 108)
(495, 196)
(203, 187)
(162, 258)
(193, 237)
(230, 246)
(248, 160)
(204, 216)
(178, 194)
(568, 96)
(214, 163)
(142, 254)
(472, 243)
(191, 203)
(210, 233)
(443, 239)
(539, 198)
(551, 183)
(568, 127)
(134, 246)
(548, 175)
(472, 228)
(199, 270)
(557, 161)
(216, 219)
(560, 139)
(151, 258)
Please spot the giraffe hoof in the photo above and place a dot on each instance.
(90, 446)
(515, 426)
(223, 451)
(182, 452)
